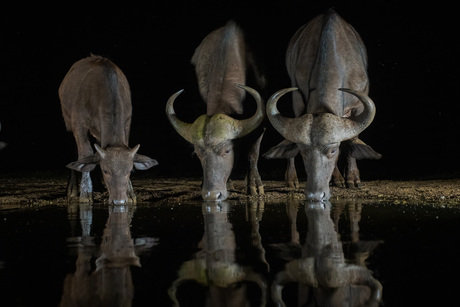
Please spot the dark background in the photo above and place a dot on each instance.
(413, 73)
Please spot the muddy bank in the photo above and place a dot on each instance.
(49, 190)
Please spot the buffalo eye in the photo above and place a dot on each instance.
(331, 151)
(226, 150)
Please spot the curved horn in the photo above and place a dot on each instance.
(134, 150)
(101, 151)
(289, 128)
(181, 127)
(248, 125)
(359, 275)
(190, 270)
(354, 126)
(259, 280)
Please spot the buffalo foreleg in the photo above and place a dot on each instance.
(84, 150)
(72, 185)
(356, 149)
(131, 196)
(86, 188)
(337, 178)
(291, 174)
(286, 150)
(352, 173)
(254, 182)
(351, 180)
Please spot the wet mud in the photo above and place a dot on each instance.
(50, 189)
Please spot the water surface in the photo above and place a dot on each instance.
(153, 254)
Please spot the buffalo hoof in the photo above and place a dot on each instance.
(293, 184)
(337, 179)
(354, 184)
(256, 191)
(85, 200)
(339, 183)
(261, 190)
(71, 196)
(132, 200)
(72, 193)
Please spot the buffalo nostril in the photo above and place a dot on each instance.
(119, 201)
(316, 196)
(212, 195)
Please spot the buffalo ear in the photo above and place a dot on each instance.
(143, 163)
(363, 151)
(85, 164)
(284, 150)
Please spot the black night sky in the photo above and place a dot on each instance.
(413, 71)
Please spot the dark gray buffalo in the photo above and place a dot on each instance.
(96, 100)
(220, 63)
(326, 60)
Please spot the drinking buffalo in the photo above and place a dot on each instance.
(220, 63)
(95, 99)
(326, 59)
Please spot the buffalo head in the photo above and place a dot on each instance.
(318, 137)
(116, 165)
(212, 137)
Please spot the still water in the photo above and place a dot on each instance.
(230, 254)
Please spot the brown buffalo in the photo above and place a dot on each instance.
(326, 60)
(96, 100)
(220, 62)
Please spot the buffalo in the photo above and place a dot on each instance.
(327, 63)
(96, 100)
(221, 62)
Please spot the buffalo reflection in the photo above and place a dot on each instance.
(357, 250)
(110, 284)
(325, 277)
(215, 265)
